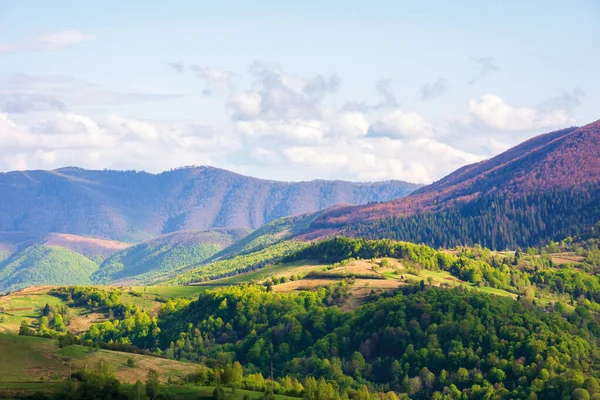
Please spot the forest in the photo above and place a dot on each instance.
(499, 222)
(419, 341)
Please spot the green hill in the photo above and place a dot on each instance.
(236, 265)
(271, 233)
(164, 254)
(45, 265)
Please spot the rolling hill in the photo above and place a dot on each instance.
(164, 254)
(546, 188)
(135, 206)
(44, 265)
(93, 248)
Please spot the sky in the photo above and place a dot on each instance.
(352, 90)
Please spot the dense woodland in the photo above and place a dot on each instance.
(500, 222)
(421, 341)
(417, 342)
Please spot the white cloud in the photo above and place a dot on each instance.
(244, 105)
(418, 160)
(400, 124)
(280, 127)
(54, 41)
(298, 130)
(113, 142)
(492, 111)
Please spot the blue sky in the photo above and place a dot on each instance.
(290, 90)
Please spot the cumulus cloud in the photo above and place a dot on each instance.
(279, 126)
(483, 67)
(399, 124)
(114, 142)
(420, 160)
(430, 91)
(278, 96)
(492, 111)
(54, 41)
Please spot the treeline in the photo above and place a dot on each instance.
(500, 222)
(520, 272)
(237, 265)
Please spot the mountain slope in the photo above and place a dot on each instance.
(269, 234)
(544, 189)
(134, 206)
(44, 265)
(93, 248)
(164, 254)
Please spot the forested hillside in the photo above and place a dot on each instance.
(545, 189)
(165, 254)
(45, 265)
(133, 206)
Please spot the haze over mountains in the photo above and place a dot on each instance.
(134, 206)
(76, 226)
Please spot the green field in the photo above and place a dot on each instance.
(26, 306)
(278, 270)
(35, 359)
(39, 365)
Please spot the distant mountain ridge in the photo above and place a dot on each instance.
(544, 189)
(135, 206)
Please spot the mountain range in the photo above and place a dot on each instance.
(191, 220)
(125, 225)
(135, 206)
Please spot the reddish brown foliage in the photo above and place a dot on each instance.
(566, 159)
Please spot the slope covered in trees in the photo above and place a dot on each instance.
(134, 206)
(165, 254)
(420, 341)
(45, 265)
(545, 189)
(269, 234)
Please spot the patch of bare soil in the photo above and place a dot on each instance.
(81, 323)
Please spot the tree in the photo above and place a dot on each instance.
(580, 394)
(363, 393)
(310, 388)
(152, 384)
(218, 393)
(139, 391)
(269, 394)
(24, 329)
(496, 375)
(131, 362)
(237, 375)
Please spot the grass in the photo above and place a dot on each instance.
(32, 358)
(33, 364)
(25, 306)
(277, 270)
